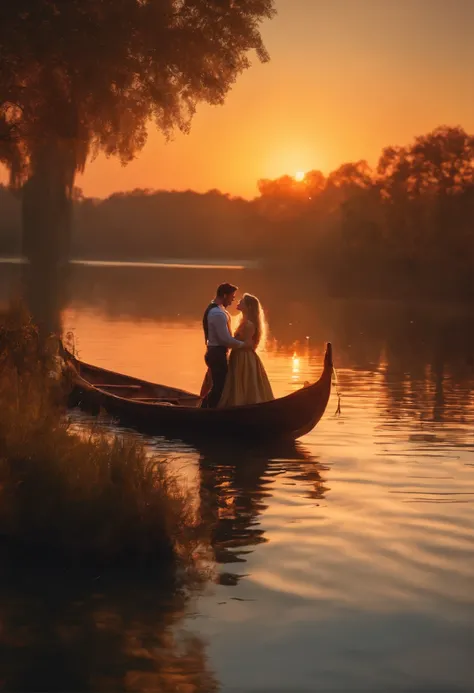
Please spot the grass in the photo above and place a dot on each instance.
(91, 501)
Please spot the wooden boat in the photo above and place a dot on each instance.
(168, 411)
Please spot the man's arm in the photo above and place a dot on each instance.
(219, 321)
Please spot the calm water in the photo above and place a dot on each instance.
(344, 562)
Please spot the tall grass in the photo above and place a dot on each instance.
(93, 501)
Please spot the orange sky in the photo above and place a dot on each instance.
(346, 78)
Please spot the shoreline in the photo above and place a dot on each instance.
(176, 263)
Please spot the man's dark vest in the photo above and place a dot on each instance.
(204, 320)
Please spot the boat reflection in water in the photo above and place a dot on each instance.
(235, 485)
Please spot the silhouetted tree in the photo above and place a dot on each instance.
(406, 228)
(85, 76)
(428, 194)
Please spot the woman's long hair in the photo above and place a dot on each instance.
(256, 315)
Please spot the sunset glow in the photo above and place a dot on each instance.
(236, 345)
(295, 367)
(287, 115)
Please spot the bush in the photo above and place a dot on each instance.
(92, 500)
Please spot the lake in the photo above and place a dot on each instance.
(344, 562)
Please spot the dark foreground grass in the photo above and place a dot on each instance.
(91, 502)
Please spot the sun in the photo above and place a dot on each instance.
(299, 176)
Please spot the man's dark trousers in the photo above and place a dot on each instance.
(216, 360)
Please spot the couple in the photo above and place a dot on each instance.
(242, 379)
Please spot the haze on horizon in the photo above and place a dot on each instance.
(345, 79)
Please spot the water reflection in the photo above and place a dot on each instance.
(236, 484)
(345, 562)
(57, 636)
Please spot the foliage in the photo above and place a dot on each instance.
(95, 500)
(88, 75)
(85, 76)
(404, 228)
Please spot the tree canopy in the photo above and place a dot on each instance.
(83, 76)
(93, 73)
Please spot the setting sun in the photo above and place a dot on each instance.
(299, 176)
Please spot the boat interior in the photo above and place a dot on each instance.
(137, 390)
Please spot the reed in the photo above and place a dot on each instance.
(88, 500)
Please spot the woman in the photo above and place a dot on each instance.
(247, 381)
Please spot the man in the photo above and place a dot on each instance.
(218, 338)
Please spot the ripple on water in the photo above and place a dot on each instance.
(347, 562)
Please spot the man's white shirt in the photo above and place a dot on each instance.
(218, 324)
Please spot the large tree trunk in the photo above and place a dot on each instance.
(46, 220)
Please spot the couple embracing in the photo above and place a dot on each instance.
(241, 379)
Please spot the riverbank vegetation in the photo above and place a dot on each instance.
(88, 501)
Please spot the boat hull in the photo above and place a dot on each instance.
(171, 412)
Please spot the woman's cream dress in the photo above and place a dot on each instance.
(247, 381)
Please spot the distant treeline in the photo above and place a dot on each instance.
(403, 228)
